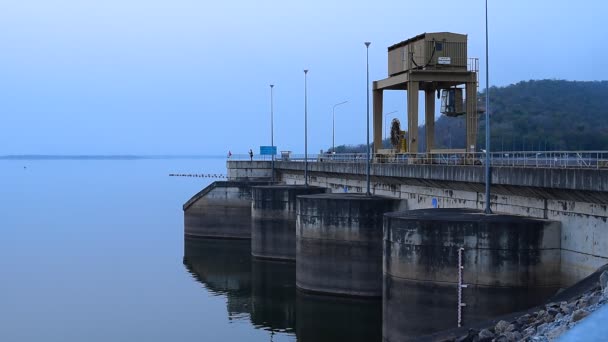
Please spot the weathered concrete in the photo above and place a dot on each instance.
(240, 170)
(273, 233)
(584, 222)
(575, 197)
(582, 181)
(221, 210)
(510, 263)
(339, 243)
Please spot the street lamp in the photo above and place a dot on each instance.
(368, 193)
(305, 129)
(385, 131)
(333, 126)
(488, 210)
(272, 130)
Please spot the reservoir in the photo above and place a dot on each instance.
(94, 250)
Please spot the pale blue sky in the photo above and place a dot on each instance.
(191, 76)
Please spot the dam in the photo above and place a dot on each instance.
(413, 226)
(547, 233)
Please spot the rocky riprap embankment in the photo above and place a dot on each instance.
(546, 324)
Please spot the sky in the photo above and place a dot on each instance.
(192, 76)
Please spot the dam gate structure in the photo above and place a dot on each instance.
(433, 63)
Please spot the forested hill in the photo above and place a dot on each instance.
(537, 115)
(533, 115)
(563, 115)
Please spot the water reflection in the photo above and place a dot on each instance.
(273, 295)
(224, 268)
(264, 292)
(327, 318)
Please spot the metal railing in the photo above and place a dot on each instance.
(526, 159)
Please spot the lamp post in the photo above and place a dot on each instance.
(385, 131)
(305, 129)
(333, 126)
(272, 129)
(487, 210)
(368, 192)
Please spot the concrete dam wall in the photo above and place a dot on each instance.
(339, 243)
(578, 199)
(403, 243)
(221, 210)
(507, 263)
(273, 233)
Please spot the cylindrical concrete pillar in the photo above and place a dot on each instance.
(221, 210)
(339, 243)
(273, 213)
(509, 263)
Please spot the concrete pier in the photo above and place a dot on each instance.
(339, 243)
(509, 263)
(273, 214)
(221, 210)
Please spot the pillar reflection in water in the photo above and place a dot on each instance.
(321, 318)
(273, 295)
(224, 268)
(263, 292)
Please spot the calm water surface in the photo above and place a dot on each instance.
(94, 251)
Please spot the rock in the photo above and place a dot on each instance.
(553, 311)
(523, 320)
(485, 335)
(541, 314)
(604, 280)
(567, 308)
(529, 331)
(543, 317)
(593, 299)
(552, 305)
(557, 332)
(501, 338)
(501, 327)
(581, 303)
(542, 329)
(579, 314)
(470, 337)
(513, 336)
(518, 335)
(559, 316)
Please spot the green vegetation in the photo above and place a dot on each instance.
(532, 115)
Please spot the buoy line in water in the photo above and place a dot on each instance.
(196, 175)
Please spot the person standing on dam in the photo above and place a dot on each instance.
(251, 154)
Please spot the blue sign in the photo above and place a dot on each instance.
(268, 150)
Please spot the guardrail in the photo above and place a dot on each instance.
(533, 159)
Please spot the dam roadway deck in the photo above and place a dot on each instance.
(577, 197)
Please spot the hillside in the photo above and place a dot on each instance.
(534, 115)
(564, 115)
